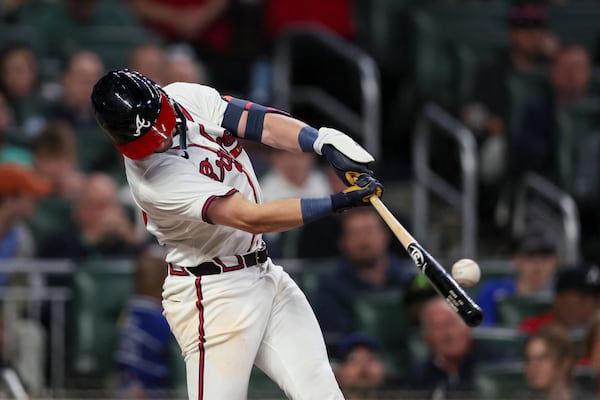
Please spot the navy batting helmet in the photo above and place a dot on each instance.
(133, 111)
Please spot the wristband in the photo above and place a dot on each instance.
(313, 209)
(306, 139)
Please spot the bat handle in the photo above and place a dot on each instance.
(401, 233)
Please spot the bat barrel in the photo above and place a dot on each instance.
(446, 286)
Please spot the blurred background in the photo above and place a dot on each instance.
(483, 117)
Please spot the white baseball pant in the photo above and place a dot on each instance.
(225, 323)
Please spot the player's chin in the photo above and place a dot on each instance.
(166, 145)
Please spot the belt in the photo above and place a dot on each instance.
(217, 267)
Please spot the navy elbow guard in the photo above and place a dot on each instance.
(255, 120)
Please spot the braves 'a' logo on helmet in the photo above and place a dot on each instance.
(140, 123)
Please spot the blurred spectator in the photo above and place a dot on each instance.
(69, 25)
(360, 372)
(528, 38)
(9, 10)
(55, 157)
(448, 371)
(292, 175)
(366, 266)
(576, 295)
(9, 152)
(19, 81)
(415, 295)
(334, 15)
(549, 361)
(149, 59)
(183, 66)
(490, 113)
(202, 21)
(592, 346)
(205, 24)
(82, 71)
(100, 225)
(145, 339)
(537, 144)
(535, 261)
(22, 347)
(20, 189)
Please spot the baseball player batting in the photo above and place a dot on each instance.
(229, 306)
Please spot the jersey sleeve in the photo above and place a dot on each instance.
(180, 194)
(204, 100)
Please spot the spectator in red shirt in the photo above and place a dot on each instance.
(576, 298)
(200, 21)
(334, 15)
(209, 26)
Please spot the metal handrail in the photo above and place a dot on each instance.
(556, 197)
(464, 198)
(14, 384)
(34, 291)
(365, 124)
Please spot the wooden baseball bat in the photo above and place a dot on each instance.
(443, 283)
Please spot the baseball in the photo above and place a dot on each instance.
(466, 272)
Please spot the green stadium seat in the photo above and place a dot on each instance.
(95, 152)
(112, 43)
(384, 32)
(501, 340)
(524, 89)
(23, 33)
(262, 387)
(575, 144)
(500, 380)
(586, 378)
(576, 23)
(177, 371)
(381, 315)
(513, 310)
(450, 41)
(311, 273)
(102, 288)
(50, 218)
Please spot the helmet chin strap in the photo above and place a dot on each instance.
(181, 126)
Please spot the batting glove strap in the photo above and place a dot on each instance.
(344, 167)
(357, 195)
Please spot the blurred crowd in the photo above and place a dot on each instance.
(531, 100)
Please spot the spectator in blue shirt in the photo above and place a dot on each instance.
(535, 261)
(366, 266)
(145, 339)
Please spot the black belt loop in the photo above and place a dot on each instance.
(249, 260)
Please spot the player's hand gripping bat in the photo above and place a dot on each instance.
(441, 281)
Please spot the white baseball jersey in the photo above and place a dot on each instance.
(174, 189)
(224, 323)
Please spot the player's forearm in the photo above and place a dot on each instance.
(282, 132)
(273, 216)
